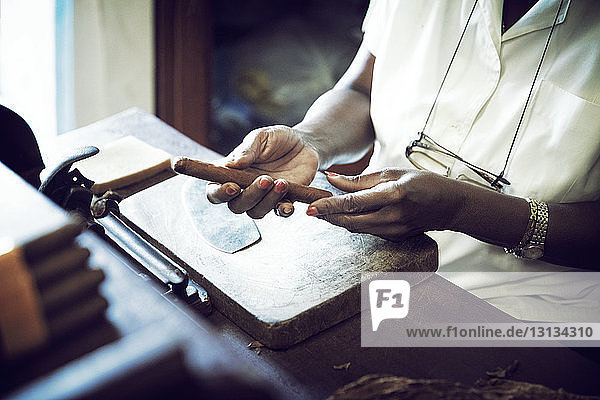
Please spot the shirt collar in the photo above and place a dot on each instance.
(539, 17)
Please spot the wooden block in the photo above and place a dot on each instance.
(123, 162)
(301, 278)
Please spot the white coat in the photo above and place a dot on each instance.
(557, 152)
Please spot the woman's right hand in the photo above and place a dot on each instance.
(272, 151)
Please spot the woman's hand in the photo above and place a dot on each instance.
(393, 203)
(272, 151)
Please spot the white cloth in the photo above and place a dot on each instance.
(557, 152)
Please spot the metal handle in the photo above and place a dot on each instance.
(155, 262)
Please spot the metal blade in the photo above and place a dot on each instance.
(220, 227)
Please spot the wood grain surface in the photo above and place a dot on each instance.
(301, 278)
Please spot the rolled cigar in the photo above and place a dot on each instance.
(66, 293)
(57, 265)
(86, 311)
(40, 247)
(214, 173)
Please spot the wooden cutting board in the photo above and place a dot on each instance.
(302, 277)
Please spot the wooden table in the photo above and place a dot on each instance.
(306, 370)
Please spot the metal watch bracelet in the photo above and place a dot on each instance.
(531, 245)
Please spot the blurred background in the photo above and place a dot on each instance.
(213, 69)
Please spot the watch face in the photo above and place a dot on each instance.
(533, 252)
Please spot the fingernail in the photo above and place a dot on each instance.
(329, 173)
(312, 211)
(280, 186)
(264, 183)
(287, 210)
(230, 190)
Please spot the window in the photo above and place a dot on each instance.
(27, 63)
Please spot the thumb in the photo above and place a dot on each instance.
(353, 183)
(242, 156)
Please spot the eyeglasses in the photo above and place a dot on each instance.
(420, 153)
(424, 153)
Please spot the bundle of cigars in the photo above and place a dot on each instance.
(47, 292)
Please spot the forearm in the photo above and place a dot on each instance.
(573, 229)
(490, 216)
(338, 126)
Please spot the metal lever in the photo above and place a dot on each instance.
(73, 192)
(70, 189)
(156, 263)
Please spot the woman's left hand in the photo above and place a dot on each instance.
(392, 203)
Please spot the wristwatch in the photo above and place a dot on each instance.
(531, 245)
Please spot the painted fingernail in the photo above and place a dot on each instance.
(230, 190)
(280, 186)
(287, 210)
(264, 183)
(312, 211)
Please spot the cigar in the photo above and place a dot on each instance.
(40, 247)
(55, 266)
(67, 292)
(83, 313)
(214, 173)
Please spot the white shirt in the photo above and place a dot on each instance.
(557, 152)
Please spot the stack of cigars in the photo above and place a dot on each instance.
(47, 292)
